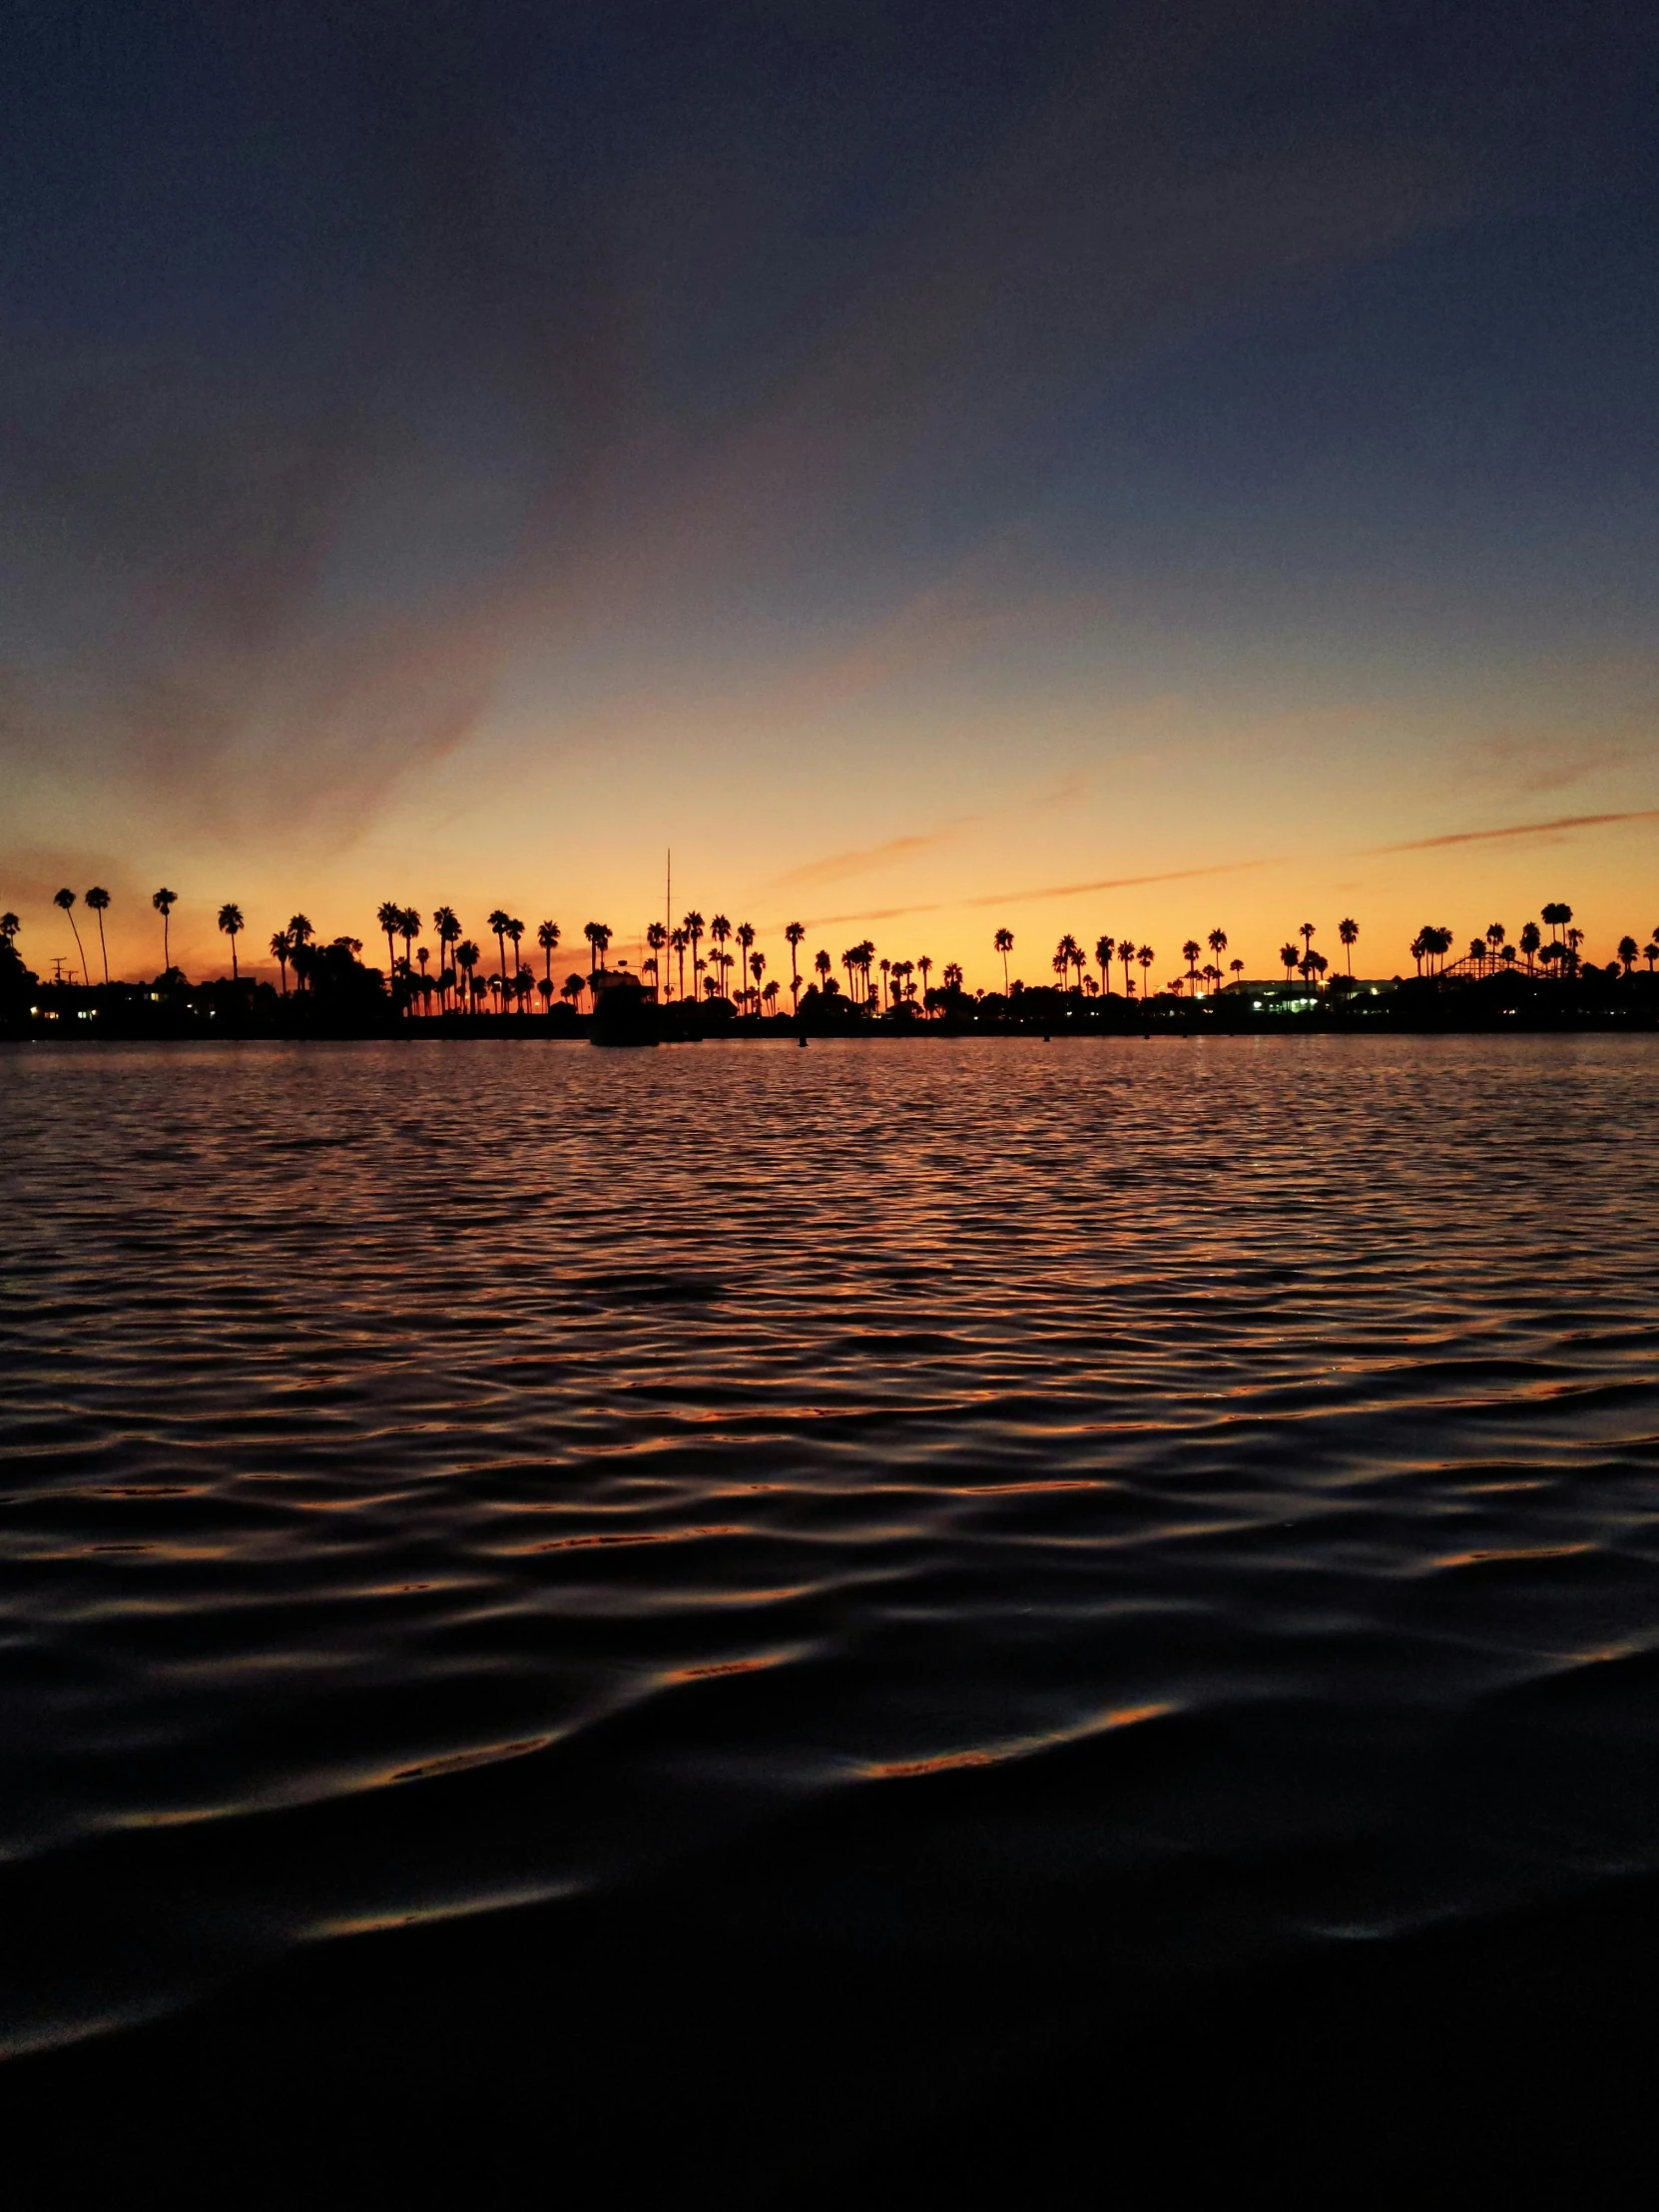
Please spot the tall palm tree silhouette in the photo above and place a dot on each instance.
(1288, 954)
(66, 899)
(466, 960)
(719, 930)
(390, 916)
(1237, 970)
(746, 942)
(676, 943)
(1495, 935)
(795, 933)
(1531, 938)
(1347, 933)
(599, 937)
(694, 925)
(515, 933)
(10, 924)
(231, 923)
(822, 966)
(300, 934)
(164, 902)
(657, 938)
(1190, 952)
(409, 929)
(1126, 954)
(496, 924)
(1105, 951)
(1218, 945)
(447, 930)
(1004, 943)
(756, 968)
(1306, 933)
(1146, 957)
(926, 963)
(280, 949)
(98, 901)
(1068, 953)
(547, 936)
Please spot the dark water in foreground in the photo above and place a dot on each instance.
(444, 1482)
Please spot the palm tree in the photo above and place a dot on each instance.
(692, 925)
(231, 922)
(1218, 945)
(745, 939)
(496, 924)
(10, 924)
(389, 917)
(280, 951)
(1557, 916)
(821, 967)
(409, 929)
(1530, 939)
(756, 968)
(1105, 951)
(1061, 962)
(677, 942)
(924, 962)
(547, 936)
(99, 899)
(66, 899)
(1495, 935)
(1348, 933)
(951, 977)
(1575, 937)
(515, 932)
(1628, 953)
(886, 970)
(1288, 954)
(1126, 954)
(164, 902)
(466, 960)
(1004, 943)
(300, 933)
(1306, 933)
(598, 935)
(1189, 952)
(795, 933)
(1650, 951)
(770, 996)
(1146, 957)
(719, 930)
(1237, 970)
(572, 988)
(657, 938)
(449, 931)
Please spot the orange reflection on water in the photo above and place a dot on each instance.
(1024, 1746)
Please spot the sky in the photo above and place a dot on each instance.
(931, 467)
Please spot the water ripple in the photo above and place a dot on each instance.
(1185, 1448)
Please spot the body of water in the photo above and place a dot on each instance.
(944, 1494)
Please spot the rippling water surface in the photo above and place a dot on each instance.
(442, 1476)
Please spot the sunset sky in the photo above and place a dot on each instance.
(934, 466)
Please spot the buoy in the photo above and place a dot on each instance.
(802, 1043)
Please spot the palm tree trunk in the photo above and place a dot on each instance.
(102, 949)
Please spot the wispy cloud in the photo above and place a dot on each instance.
(1514, 829)
(1045, 891)
(839, 866)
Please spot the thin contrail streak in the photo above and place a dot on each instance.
(1520, 829)
(1042, 890)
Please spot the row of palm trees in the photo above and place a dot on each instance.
(461, 980)
(1493, 954)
